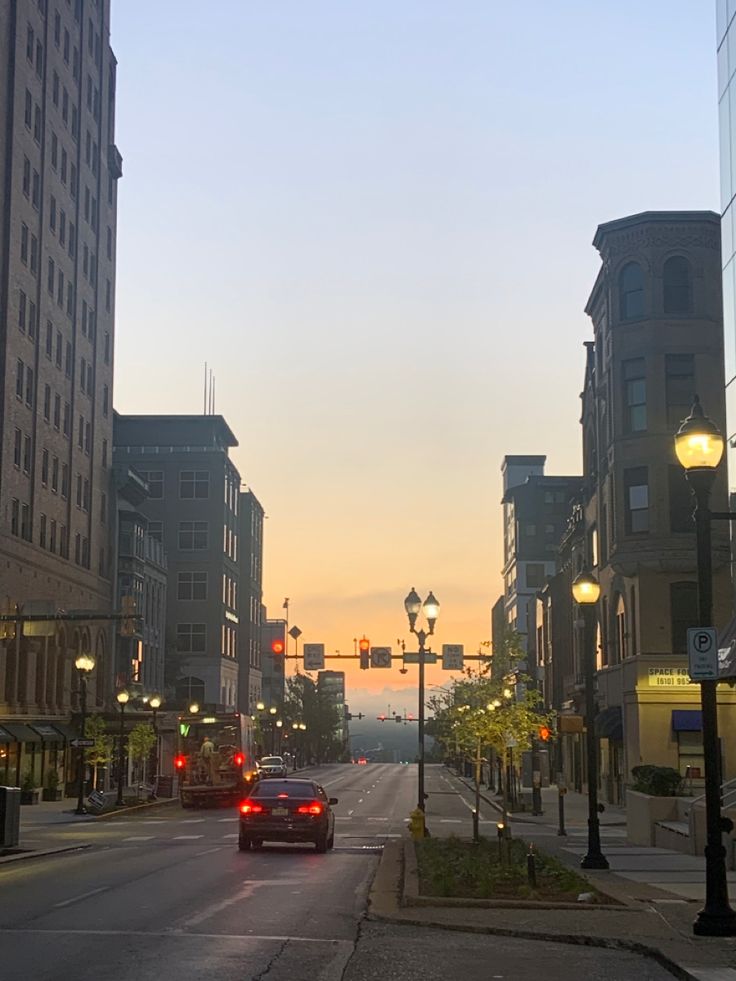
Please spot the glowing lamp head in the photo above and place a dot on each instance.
(273, 710)
(122, 697)
(194, 708)
(586, 589)
(302, 727)
(698, 442)
(260, 706)
(84, 662)
(364, 644)
(431, 609)
(155, 701)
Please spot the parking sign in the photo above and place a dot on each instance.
(314, 657)
(702, 653)
(452, 657)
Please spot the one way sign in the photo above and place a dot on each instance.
(81, 743)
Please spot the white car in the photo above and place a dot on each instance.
(272, 766)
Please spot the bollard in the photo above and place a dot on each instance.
(476, 834)
(416, 824)
(561, 791)
(501, 828)
(531, 868)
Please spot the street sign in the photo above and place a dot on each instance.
(295, 632)
(702, 652)
(412, 657)
(314, 657)
(380, 657)
(81, 743)
(96, 800)
(452, 657)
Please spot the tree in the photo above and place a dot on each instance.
(141, 741)
(305, 702)
(100, 754)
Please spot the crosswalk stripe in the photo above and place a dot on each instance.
(229, 836)
(187, 837)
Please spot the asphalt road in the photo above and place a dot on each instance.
(168, 896)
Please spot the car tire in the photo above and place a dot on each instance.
(244, 843)
(321, 844)
(257, 844)
(331, 841)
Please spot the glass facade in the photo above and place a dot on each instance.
(726, 32)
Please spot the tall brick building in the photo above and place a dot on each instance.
(59, 169)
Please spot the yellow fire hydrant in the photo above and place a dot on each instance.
(416, 824)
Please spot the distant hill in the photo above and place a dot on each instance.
(399, 740)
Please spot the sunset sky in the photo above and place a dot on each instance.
(374, 222)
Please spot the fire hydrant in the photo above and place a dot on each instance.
(416, 824)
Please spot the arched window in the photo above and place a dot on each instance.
(621, 648)
(677, 285)
(631, 291)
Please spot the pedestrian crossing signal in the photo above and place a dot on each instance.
(545, 733)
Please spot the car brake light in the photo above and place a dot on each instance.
(180, 762)
(283, 795)
(248, 807)
(314, 808)
(239, 759)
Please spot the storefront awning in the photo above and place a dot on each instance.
(66, 731)
(5, 736)
(609, 723)
(687, 720)
(21, 733)
(48, 733)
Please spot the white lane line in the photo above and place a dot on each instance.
(192, 821)
(187, 837)
(78, 899)
(173, 933)
(249, 887)
(140, 838)
(229, 837)
(360, 801)
(226, 820)
(451, 821)
(351, 812)
(377, 819)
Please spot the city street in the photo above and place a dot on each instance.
(169, 896)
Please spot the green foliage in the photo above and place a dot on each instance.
(141, 741)
(100, 754)
(658, 781)
(51, 779)
(452, 867)
(304, 702)
(27, 782)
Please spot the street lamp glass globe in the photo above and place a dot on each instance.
(260, 706)
(273, 710)
(155, 701)
(431, 608)
(194, 708)
(699, 444)
(294, 725)
(302, 727)
(84, 662)
(123, 697)
(279, 723)
(413, 603)
(586, 589)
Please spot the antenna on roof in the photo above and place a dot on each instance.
(213, 395)
(204, 407)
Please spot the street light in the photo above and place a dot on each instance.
(155, 702)
(122, 700)
(699, 448)
(586, 590)
(84, 664)
(194, 708)
(413, 604)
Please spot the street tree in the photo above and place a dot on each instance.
(141, 741)
(100, 753)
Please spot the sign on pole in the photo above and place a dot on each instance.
(452, 657)
(81, 743)
(412, 657)
(314, 657)
(702, 652)
(380, 657)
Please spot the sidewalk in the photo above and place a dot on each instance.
(660, 891)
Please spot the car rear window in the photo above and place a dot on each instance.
(272, 788)
(272, 761)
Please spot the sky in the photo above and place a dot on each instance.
(374, 223)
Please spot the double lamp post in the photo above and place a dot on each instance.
(413, 605)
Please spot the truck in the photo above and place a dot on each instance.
(214, 759)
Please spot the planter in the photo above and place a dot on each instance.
(642, 813)
(56, 794)
(29, 796)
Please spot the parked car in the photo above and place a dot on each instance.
(272, 766)
(362, 761)
(287, 810)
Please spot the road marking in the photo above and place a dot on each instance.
(350, 812)
(207, 852)
(229, 836)
(249, 886)
(377, 819)
(140, 838)
(360, 801)
(226, 820)
(451, 821)
(78, 899)
(341, 817)
(187, 837)
(192, 821)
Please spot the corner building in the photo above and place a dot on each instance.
(59, 169)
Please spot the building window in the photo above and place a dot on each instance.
(27, 454)
(25, 522)
(17, 448)
(535, 575)
(191, 638)
(683, 613)
(155, 481)
(194, 484)
(636, 491)
(156, 531)
(631, 291)
(635, 396)
(20, 375)
(193, 535)
(192, 586)
(677, 285)
(14, 516)
(45, 467)
(621, 636)
(679, 387)
(681, 501)
(42, 531)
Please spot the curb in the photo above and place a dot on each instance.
(136, 807)
(24, 856)
(387, 896)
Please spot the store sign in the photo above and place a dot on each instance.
(669, 678)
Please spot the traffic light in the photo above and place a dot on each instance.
(277, 649)
(381, 718)
(545, 733)
(365, 652)
(398, 718)
(277, 646)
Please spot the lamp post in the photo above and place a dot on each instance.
(272, 714)
(699, 448)
(84, 664)
(122, 700)
(431, 608)
(279, 726)
(586, 590)
(155, 702)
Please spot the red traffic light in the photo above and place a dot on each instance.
(277, 646)
(364, 644)
(545, 733)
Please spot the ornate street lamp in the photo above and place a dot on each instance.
(122, 698)
(586, 591)
(155, 703)
(84, 664)
(699, 447)
(413, 604)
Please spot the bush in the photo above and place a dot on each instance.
(657, 781)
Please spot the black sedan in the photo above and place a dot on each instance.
(287, 810)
